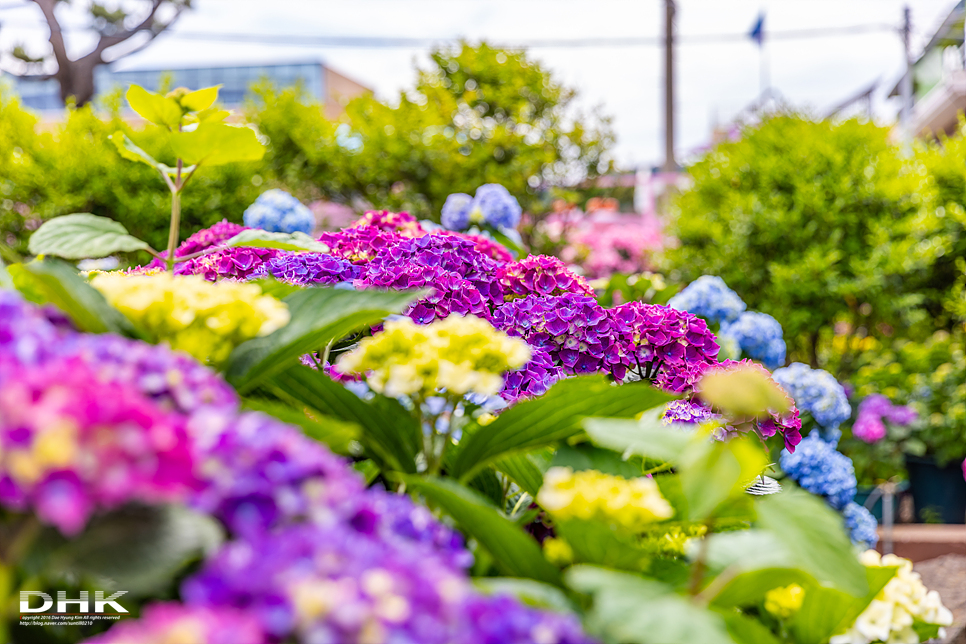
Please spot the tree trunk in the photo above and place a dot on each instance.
(76, 80)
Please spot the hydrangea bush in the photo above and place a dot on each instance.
(279, 212)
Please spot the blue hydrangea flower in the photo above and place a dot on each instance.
(817, 392)
(861, 525)
(494, 205)
(760, 337)
(818, 468)
(456, 211)
(709, 297)
(279, 212)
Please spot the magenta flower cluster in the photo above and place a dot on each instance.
(230, 263)
(397, 222)
(540, 275)
(203, 240)
(172, 622)
(875, 409)
(306, 269)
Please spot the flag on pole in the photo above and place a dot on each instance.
(757, 32)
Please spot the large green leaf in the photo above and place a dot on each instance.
(713, 472)
(643, 438)
(153, 107)
(200, 99)
(555, 416)
(389, 433)
(514, 551)
(594, 542)
(748, 630)
(826, 611)
(339, 435)
(814, 536)
(83, 235)
(588, 457)
(52, 281)
(298, 241)
(216, 143)
(130, 151)
(318, 315)
(526, 470)
(633, 610)
(140, 549)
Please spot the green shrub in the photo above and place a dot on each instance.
(810, 222)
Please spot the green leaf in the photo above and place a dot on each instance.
(297, 241)
(826, 611)
(153, 107)
(633, 610)
(83, 235)
(514, 551)
(337, 434)
(368, 469)
(5, 281)
(643, 438)
(588, 457)
(524, 470)
(555, 416)
(140, 549)
(54, 282)
(748, 630)
(814, 535)
(389, 432)
(278, 290)
(318, 315)
(595, 543)
(712, 472)
(199, 100)
(216, 143)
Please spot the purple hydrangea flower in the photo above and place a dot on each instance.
(534, 379)
(540, 275)
(202, 240)
(397, 222)
(305, 269)
(572, 329)
(361, 244)
(231, 263)
(688, 411)
(669, 347)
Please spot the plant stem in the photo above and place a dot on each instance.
(697, 572)
(173, 233)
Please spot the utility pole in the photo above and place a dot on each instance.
(905, 87)
(670, 164)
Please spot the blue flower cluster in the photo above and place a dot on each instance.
(861, 525)
(759, 335)
(493, 205)
(709, 297)
(279, 212)
(818, 468)
(819, 393)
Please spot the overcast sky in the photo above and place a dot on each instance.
(715, 79)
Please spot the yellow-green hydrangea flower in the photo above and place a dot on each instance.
(785, 601)
(204, 319)
(458, 354)
(593, 495)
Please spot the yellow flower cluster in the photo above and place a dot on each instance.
(458, 354)
(590, 494)
(903, 602)
(204, 319)
(784, 602)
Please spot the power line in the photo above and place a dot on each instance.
(390, 42)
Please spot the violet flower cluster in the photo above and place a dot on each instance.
(759, 336)
(869, 425)
(534, 379)
(359, 245)
(709, 297)
(819, 393)
(669, 347)
(230, 263)
(540, 275)
(398, 222)
(307, 269)
(572, 329)
(202, 240)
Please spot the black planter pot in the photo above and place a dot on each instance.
(939, 493)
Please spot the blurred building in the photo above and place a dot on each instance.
(317, 79)
(939, 78)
